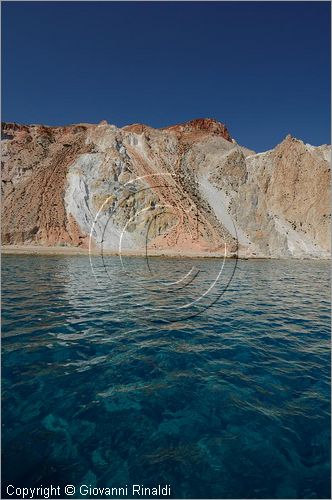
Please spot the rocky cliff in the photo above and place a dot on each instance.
(184, 189)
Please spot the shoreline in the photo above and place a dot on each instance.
(75, 251)
(78, 251)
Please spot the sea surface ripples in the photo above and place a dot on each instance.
(99, 388)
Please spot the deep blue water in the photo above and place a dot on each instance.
(103, 384)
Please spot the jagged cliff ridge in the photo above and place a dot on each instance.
(186, 189)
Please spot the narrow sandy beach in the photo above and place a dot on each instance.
(68, 251)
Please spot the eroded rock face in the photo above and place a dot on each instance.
(280, 198)
(36, 160)
(185, 189)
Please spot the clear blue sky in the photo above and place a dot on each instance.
(263, 68)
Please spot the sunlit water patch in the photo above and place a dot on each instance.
(104, 385)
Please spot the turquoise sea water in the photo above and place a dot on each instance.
(104, 385)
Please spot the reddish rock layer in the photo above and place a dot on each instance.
(201, 126)
(35, 166)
